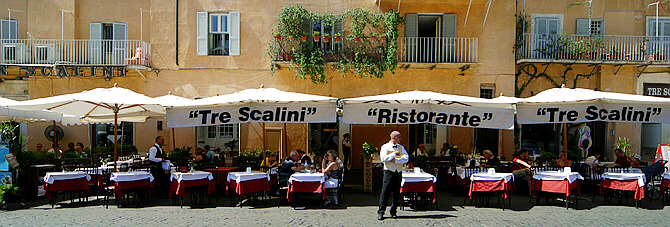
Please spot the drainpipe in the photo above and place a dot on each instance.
(176, 23)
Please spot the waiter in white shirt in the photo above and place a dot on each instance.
(393, 155)
(156, 160)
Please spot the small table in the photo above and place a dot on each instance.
(96, 174)
(132, 180)
(464, 175)
(307, 183)
(422, 182)
(181, 181)
(243, 183)
(665, 184)
(485, 182)
(556, 182)
(221, 174)
(65, 181)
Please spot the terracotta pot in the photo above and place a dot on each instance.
(291, 38)
(326, 38)
(383, 39)
(304, 38)
(278, 37)
(338, 38)
(317, 38)
(357, 39)
(374, 39)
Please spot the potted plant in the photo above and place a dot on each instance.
(337, 36)
(623, 144)
(369, 149)
(318, 150)
(382, 38)
(326, 37)
(303, 36)
(373, 37)
(277, 36)
(317, 36)
(289, 20)
(9, 196)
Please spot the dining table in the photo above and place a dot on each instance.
(418, 182)
(181, 181)
(65, 181)
(247, 182)
(306, 183)
(124, 181)
(560, 182)
(491, 182)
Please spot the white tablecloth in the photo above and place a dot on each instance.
(666, 175)
(556, 175)
(460, 171)
(197, 175)
(308, 177)
(626, 176)
(54, 176)
(131, 176)
(244, 176)
(417, 177)
(632, 170)
(484, 176)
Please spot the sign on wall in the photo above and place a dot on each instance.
(367, 113)
(657, 89)
(587, 112)
(271, 113)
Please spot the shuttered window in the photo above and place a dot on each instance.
(547, 25)
(218, 33)
(596, 27)
(9, 29)
(104, 51)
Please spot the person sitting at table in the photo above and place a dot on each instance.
(55, 149)
(621, 158)
(445, 150)
(201, 156)
(420, 150)
(521, 167)
(332, 169)
(288, 168)
(79, 148)
(635, 161)
(70, 147)
(304, 159)
(270, 161)
(491, 161)
(209, 152)
(593, 160)
(38, 148)
(563, 160)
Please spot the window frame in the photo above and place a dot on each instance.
(220, 16)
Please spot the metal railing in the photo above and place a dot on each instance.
(75, 52)
(594, 48)
(438, 50)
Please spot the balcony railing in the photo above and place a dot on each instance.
(438, 50)
(594, 48)
(75, 52)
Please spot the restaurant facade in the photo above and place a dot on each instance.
(200, 48)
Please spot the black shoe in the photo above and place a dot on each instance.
(394, 215)
(380, 216)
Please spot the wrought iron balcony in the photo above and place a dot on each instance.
(54, 52)
(437, 50)
(594, 49)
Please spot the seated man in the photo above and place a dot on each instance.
(491, 161)
(288, 168)
(421, 150)
(304, 158)
(593, 160)
(621, 158)
(563, 160)
(521, 167)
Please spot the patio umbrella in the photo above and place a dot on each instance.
(11, 114)
(97, 102)
(415, 107)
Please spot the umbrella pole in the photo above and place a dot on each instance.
(115, 135)
(55, 140)
(173, 142)
(565, 137)
(264, 141)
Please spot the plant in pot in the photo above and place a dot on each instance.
(359, 19)
(277, 36)
(317, 36)
(373, 37)
(369, 150)
(326, 37)
(9, 196)
(303, 36)
(318, 150)
(337, 36)
(289, 20)
(623, 144)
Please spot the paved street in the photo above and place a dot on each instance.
(360, 211)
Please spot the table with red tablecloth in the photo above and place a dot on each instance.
(181, 181)
(96, 174)
(124, 181)
(491, 182)
(307, 183)
(556, 182)
(665, 183)
(418, 182)
(463, 177)
(624, 181)
(243, 183)
(220, 174)
(65, 181)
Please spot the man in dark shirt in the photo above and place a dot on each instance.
(491, 161)
(621, 158)
(304, 159)
(288, 168)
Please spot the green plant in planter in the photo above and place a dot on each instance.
(368, 149)
(309, 63)
(8, 193)
(623, 144)
(359, 19)
(316, 33)
(289, 20)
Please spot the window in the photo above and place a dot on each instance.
(431, 134)
(9, 29)
(211, 132)
(218, 33)
(101, 47)
(324, 27)
(226, 131)
(486, 91)
(159, 125)
(596, 27)
(103, 134)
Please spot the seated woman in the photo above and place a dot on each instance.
(332, 168)
(200, 156)
(563, 160)
(270, 161)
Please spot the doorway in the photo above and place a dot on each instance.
(273, 140)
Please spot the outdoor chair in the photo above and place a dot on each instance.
(336, 190)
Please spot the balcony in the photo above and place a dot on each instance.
(437, 50)
(56, 52)
(565, 48)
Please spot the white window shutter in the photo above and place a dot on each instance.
(201, 33)
(583, 27)
(14, 29)
(411, 25)
(4, 29)
(120, 31)
(449, 25)
(95, 43)
(234, 29)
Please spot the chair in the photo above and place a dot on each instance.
(336, 190)
(468, 172)
(282, 186)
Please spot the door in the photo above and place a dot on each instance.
(120, 44)
(659, 43)
(545, 30)
(95, 43)
(273, 140)
(650, 140)
(429, 29)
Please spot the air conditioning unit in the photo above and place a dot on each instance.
(13, 52)
(46, 53)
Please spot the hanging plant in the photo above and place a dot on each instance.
(289, 20)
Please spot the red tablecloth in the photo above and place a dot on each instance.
(627, 185)
(97, 180)
(426, 187)
(665, 184)
(273, 179)
(490, 186)
(250, 186)
(308, 187)
(65, 185)
(179, 188)
(144, 185)
(220, 174)
(555, 186)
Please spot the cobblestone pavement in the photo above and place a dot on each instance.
(359, 211)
